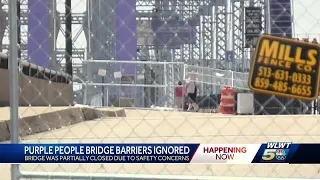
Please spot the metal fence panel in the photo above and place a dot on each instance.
(125, 59)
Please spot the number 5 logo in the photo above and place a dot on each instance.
(268, 154)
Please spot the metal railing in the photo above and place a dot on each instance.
(33, 70)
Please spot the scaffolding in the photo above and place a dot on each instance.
(220, 29)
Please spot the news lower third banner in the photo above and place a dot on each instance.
(272, 152)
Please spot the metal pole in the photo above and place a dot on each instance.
(242, 19)
(145, 89)
(226, 28)
(14, 87)
(107, 97)
(85, 93)
(88, 23)
(56, 28)
(232, 79)
(251, 4)
(68, 36)
(267, 17)
(102, 79)
(166, 86)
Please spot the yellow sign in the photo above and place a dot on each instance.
(285, 67)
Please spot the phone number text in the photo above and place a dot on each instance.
(283, 87)
(282, 75)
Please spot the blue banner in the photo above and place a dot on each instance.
(125, 32)
(97, 153)
(126, 46)
(174, 33)
(271, 152)
(39, 43)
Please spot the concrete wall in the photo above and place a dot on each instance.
(36, 92)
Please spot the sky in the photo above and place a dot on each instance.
(307, 18)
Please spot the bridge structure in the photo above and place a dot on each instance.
(219, 27)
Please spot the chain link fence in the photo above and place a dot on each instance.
(124, 59)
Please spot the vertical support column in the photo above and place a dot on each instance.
(220, 17)
(208, 42)
(267, 18)
(251, 50)
(51, 37)
(54, 29)
(126, 40)
(177, 55)
(86, 27)
(195, 14)
(195, 52)
(228, 32)
(68, 37)
(238, 33)
(163, 94)
(176, 71)
(39, 33)
(184, 50)
(14, 81)
(221, 34)
(100, 21)
(244, 63)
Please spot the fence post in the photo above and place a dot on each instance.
(232, 78)
(85, 102)
(14, 87)
(185, 66)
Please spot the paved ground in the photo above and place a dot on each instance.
(165, 126)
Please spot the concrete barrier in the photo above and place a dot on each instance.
(36, 92)
(4, 131)
(38, 86)
(90, 113)
(66, 116)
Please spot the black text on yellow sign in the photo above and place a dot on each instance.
(285, 67)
